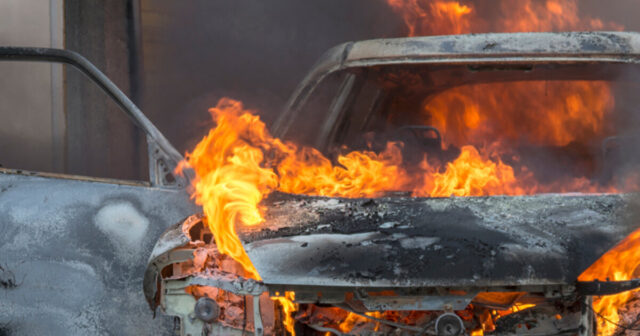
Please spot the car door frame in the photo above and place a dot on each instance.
(163, 157)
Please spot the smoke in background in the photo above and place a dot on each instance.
(254, 51)
(198, 51)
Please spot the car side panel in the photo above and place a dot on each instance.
(73, 254)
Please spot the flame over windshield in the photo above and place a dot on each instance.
(573, 111)
(239, 162)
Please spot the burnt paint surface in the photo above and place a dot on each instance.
(77, 251)
(403, 241)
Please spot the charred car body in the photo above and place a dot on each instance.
(74, 248)
(430, 258)
(450, 263)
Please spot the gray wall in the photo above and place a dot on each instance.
(52, 118)
(31, 115)
(101, 140)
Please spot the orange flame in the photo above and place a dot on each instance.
(230, 183)
(350, 321)
(540, 112)
(239, 163)
(449, 14)
(471, 175)
(442, 17)
(307, 171)
(231, 179)
(481, 109)
(233, 174)
(618, 264)
(288, 308)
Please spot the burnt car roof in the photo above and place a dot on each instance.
(416, 49)
(611, 47)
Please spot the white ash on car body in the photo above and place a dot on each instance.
(541, 239)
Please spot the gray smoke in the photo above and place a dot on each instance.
(257, 51)
(254, 51)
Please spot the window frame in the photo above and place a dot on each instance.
(162, 156)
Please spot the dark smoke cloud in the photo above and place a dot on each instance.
(257, 51)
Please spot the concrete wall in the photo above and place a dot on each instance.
(52, 118)
(31, 113)
(101, 140)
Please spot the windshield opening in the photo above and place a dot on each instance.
(488, 130)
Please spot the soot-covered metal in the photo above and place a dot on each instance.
(404, 241)
(435, 255)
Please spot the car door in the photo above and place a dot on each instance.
(73, 249)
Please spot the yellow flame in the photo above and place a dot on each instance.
(288, 308)
(618, 264)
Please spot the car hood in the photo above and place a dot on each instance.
(476, 243)
(428, 242)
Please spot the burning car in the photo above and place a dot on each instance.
(531, 131)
